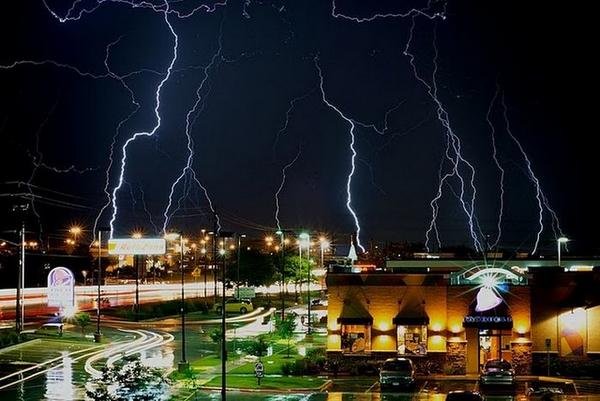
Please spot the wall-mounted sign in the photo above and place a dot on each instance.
(477, 321)
(486, 274)
(137, 246)
(61, 283)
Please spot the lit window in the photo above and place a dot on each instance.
(412, 340)
(356, 338)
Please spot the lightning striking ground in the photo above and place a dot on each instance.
(497, 162)
(282, 184)
(540, 197)
(144, 134)
(352, 150)
(188, 168)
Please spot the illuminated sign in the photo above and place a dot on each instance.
(137, 246)
(60, 288)
(474, 320)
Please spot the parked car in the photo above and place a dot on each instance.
(51, 329)
(544, 391)
(497, 372)
(397, 373)
(236, 306)
(464, 396)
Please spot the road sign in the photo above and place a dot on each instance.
(259, 369)
(196, 272)
(61, 292)
(245, 292)
(137, 246)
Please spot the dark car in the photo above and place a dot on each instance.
(397, 373)
(497, 372)
(464, 396)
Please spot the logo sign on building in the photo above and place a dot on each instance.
(245, 292)
(61, 283)
(137, 246)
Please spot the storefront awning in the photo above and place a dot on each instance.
(411, 318)
(353, 313)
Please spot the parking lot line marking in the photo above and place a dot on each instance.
(423, 386)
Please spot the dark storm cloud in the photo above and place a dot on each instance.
(535, 52)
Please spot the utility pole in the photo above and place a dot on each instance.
(19, 315)
(281, 234)
(183, 364)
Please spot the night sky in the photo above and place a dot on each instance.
(254, 60)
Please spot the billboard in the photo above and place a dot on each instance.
(137, 246)
(61, 283)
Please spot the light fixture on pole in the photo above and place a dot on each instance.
(183, 365)
(559, 242)
(239, 247)
(305, 240)
(98, 333)
(281, 234)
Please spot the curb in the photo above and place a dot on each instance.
(15, 346)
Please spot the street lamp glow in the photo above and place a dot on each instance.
(136, 235)
(172, 236)
(221, 251)
(75, 230)
(562, 240)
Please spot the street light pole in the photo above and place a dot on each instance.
(280, 233)
(237, 282)
(19, 316)
(560, 241)
(183, 364)
(98, 335)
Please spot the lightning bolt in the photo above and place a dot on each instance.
(352, 150)
(453, 152)
(541, 198)
(500, 168)
(150, 133)
(282, 184)
(188, 168)
(288, 115)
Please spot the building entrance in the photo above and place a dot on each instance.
(494, 344)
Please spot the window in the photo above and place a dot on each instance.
(412, 340)
(356, 338)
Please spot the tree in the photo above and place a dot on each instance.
(256, 268)
(82, 320)
(285, 328)
(129, 380)
(296, 271)
(259, 347)
(215, 335)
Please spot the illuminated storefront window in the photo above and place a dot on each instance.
(356, 338)
(412, 340)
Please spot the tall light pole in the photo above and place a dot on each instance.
(239, 247)
(21, 285)
(559, 242)
(281, 234)
(98, 333)
(305, 239)
(183, 365)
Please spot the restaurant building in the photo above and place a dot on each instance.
(450, 316)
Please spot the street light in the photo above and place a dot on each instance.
(280, 233)
(324, 245)
(559, 241)
(239, 247)
(98, 334)
(183, 364)
(305, 240)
